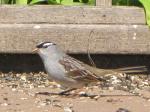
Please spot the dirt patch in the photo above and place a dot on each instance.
(120, 94)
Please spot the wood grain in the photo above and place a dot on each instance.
(71, 15)
(104, 3)
(101, 39)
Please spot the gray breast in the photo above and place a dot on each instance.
(57, 73)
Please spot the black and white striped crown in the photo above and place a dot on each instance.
(45, 44)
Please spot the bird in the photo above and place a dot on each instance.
(71, 73)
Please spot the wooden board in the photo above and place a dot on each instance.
(71, 15)
(104, 3)
(115, 39)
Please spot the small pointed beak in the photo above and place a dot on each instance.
(35, 50)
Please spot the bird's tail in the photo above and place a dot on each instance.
(132, 70)
(127, 70)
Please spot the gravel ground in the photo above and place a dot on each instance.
(121, 93)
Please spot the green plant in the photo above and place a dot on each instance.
(126, 2)
(146, 4)
(22, 2)
(55, 2)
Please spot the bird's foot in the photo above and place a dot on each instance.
(62, 93)
(46, 93)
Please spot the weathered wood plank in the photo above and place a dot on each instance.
(104, 3)
(127, 39)
(71, 15)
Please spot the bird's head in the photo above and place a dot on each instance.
(47, 49)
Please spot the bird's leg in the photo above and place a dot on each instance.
(66, 91)
(46, 93)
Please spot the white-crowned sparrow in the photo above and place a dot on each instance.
(70, 72)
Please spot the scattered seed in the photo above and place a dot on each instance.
(23, 98)
(24, 78)
(6, 99)
(13, 89)
(4, 104)
(67, 109)
(122, 110)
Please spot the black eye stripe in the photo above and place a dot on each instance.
(39, 46)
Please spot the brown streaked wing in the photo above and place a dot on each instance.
(76, 70)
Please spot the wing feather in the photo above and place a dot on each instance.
(76, 70)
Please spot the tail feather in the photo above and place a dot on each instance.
(131, 70)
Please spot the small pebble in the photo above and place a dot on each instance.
(111, 88)
(13, 89)
(67, 109)
(82, 93)
(122, 110)
(24, 78)
(4, 104)
(43, 104)
(23, 98)
(5, 99)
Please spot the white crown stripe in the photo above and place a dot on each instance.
(47, 44)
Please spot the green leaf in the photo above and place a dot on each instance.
(146, 4)
(77, 2)
(91, 2)
(126, 2)
(4, 1)
(39, 2)
(54, 2)
(57, 1)
(21, 2)
(66, 2)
